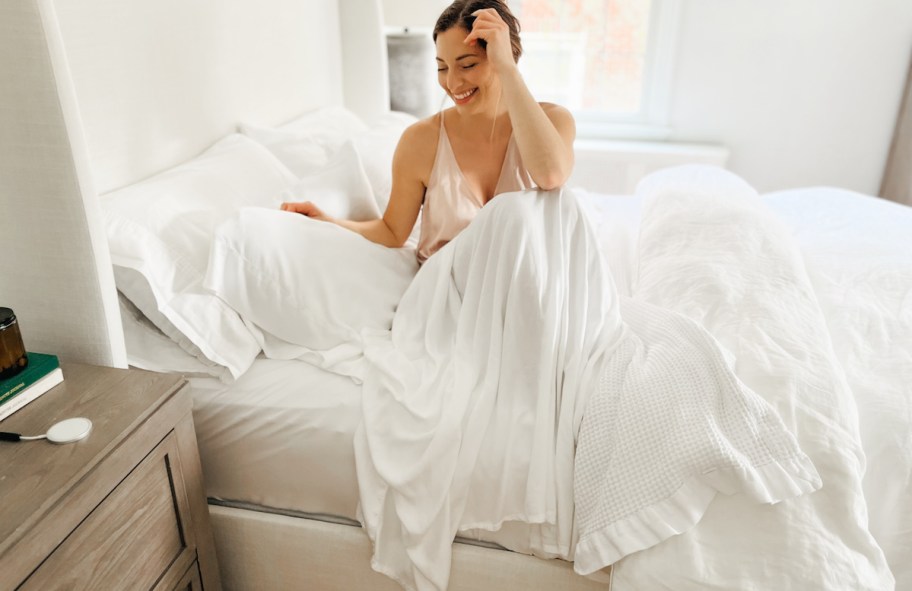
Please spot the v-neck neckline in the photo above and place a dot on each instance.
(480, 199)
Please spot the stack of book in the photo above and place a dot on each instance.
(41, 374)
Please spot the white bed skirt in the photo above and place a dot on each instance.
(259, 550)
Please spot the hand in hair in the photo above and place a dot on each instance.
(494, 31)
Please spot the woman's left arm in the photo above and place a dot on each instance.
(544, 133)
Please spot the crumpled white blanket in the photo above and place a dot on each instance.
(473, 406)
(858, 253)
(710, 249)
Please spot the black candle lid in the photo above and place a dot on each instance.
(7, 317)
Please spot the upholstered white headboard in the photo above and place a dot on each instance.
(98, 94)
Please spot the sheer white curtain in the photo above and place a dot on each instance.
(897, 181)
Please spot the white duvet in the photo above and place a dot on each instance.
(858, 252)
(732, 266)
(474, 406)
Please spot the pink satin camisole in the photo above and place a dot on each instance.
(450, 203)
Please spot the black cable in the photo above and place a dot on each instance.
(7, 436)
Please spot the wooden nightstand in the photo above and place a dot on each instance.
(122, 509)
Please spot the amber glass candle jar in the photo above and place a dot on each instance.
(12, 352)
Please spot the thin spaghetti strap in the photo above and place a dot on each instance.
(494, 123)
(442, 137)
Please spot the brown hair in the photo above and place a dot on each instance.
(459, 13)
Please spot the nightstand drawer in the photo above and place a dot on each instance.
(191, 580)
(136, 538)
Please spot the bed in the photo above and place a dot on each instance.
(150, 100)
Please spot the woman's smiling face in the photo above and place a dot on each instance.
(463, 71)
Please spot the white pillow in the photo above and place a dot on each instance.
(340, 189)
(137, 298)
(308, 143)
(163, 227)
(313, 285)
(694, 179)
(149, 348)
(376, 147)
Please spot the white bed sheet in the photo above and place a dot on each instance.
(281, 435)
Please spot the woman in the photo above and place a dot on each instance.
(496, 399)
(487, 352)
(496, 139)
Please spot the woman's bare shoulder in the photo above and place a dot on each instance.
(560, 117)
(422, 134)
(418, 144)
(553, 109)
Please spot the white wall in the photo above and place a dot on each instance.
(802, 92)
(412, 13)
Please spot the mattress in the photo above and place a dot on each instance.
(280, 437)
(279, 440)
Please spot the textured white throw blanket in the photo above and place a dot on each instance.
(473, 407)
(668, 428)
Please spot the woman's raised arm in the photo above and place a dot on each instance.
(544, 132)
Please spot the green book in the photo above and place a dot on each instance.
(42, 373)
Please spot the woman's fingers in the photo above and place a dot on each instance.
(487, 14)
(302, 207)
(486, 21)
(293, 207)
(490, 27)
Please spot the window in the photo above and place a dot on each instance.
(609, 61)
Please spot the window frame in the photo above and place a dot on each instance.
(651, 121)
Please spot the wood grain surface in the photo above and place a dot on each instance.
(125, 483)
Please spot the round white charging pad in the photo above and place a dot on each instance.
(69, 430)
